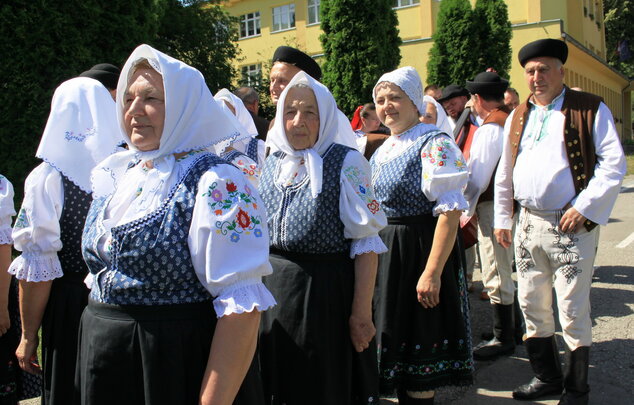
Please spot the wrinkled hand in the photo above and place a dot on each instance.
(5, 321)
(27, 355)
(428, 290)
(361, 331)
(571, 221)
(503, 236)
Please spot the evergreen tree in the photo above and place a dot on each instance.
(494, 39)
(454, 56)
(619, 34)
(360, 42)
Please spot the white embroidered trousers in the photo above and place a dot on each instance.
(546, 258)
(496, 262)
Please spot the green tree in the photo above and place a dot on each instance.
(203, 35)
(619, 34)
(360, 42)
(494, 39)
(454, 56)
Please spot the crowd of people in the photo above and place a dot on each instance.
(177, 248)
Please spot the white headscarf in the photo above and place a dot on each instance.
(193, 121)
(334, 127)
(81, 129)
(442, 122)
(409, 81)
(241, 119)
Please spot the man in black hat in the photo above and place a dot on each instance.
(482, 153)
(454, 99)
(287, 62)
(563, 165)
(107, 74)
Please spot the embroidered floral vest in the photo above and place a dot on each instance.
(71, 222)
(397, 182)
(298, 222)
(150, 259)
(252, 150)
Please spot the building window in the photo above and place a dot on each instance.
(250, 25)
(405, 3)
(313, 12)
(283, 17)
(252, 75)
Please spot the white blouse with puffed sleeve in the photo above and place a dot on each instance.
(7, 210)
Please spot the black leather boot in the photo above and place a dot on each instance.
(544, 358)
(520, 325)
(503, 342)
(576, 387)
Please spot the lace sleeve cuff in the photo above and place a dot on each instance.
(5, 236)
(36, 268)
(244, 298)
(366, 245)
(453, 200)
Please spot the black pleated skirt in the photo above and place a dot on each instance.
(60, 328)
(420, 349)
(306, 353)
(150, 355)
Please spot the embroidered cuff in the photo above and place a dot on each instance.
(453, 200)
(36, 268)
(244, 298)
(5, 236)
(365, 245)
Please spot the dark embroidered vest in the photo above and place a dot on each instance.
(150, 259)
(579, 109)
(298, 222)
(397, 182)
(71, 223)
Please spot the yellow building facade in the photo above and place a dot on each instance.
(267, 24)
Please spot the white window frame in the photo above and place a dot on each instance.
(249, 71)
(253, 18)
(405, 3)
(315, 9)
(286, 16)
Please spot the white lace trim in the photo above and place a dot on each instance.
(450, 201)
(36, 268)
(244, 298)
(5, 236)
(366, 245)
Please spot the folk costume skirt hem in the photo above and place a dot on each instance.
(306, 353)
(420, 349)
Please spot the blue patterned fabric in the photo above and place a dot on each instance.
(397, 182)
(231, 155)
(71, 222)
(298, 222)
(150, 259)
(252, 149)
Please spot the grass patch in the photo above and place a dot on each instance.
(630, 163)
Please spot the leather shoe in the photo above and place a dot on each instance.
(537, 388)
(493, 349)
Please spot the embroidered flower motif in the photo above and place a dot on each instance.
(231, 187)
(361, 189)
(234, 237)
(374, 206)
(216, 195)
(70, 135)
(243, 219)
(257, 233)
(22, 221)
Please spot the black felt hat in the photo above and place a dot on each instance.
(106, 73)
(554, 48)
(451, 91)
(299, 59)
(489, 83)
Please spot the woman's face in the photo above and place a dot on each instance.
(144, 109)
(371, 122)
(395, 109)
(301, 118)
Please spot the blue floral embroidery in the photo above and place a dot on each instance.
(70, 135)
(22, 221)
(221, 203)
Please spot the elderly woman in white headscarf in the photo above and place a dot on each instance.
(80, 132)
(317, 346)
(418, 175)
(245, 151)
(434, 114)
(174, 239)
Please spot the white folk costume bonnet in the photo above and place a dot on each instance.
(81, 129)
(241, 119)
(332, 129)
(193, 121)
(409, 81)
